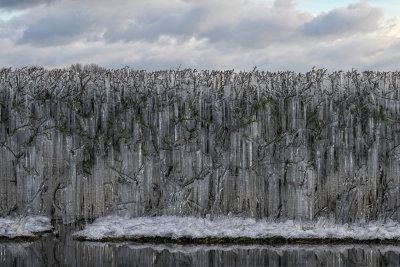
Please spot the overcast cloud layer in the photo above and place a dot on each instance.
(202, 34)
(22, 4)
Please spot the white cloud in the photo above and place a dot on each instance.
(355, 18)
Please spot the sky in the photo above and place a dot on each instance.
(273, 35)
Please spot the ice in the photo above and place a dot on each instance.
(234, 227)
(24, 226)
(85, 142)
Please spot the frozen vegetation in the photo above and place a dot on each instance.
(24, 226)
(233, 227)
(86, 142)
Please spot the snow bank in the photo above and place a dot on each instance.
(25, 226)
(233, 227)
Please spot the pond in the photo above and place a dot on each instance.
(62, 250)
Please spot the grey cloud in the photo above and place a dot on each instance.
(21, 4)
(283, 3)
(236, 22)
(60, 30)
(360, 17)
(254, 25)
(261, 26)
(252, 33)
(144, 26)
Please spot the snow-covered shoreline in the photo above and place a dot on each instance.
(24, 226)
(173, 227)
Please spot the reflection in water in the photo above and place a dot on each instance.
(63, 251)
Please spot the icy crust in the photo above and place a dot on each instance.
(24, 227)
(174, 227)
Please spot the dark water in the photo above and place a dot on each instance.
(63, 251)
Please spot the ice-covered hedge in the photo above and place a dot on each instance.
(84, 142)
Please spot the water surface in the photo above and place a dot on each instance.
(63, 251)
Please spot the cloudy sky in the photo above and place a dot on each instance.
(204, 34)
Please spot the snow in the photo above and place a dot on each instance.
(24, 226)
(233, 227)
